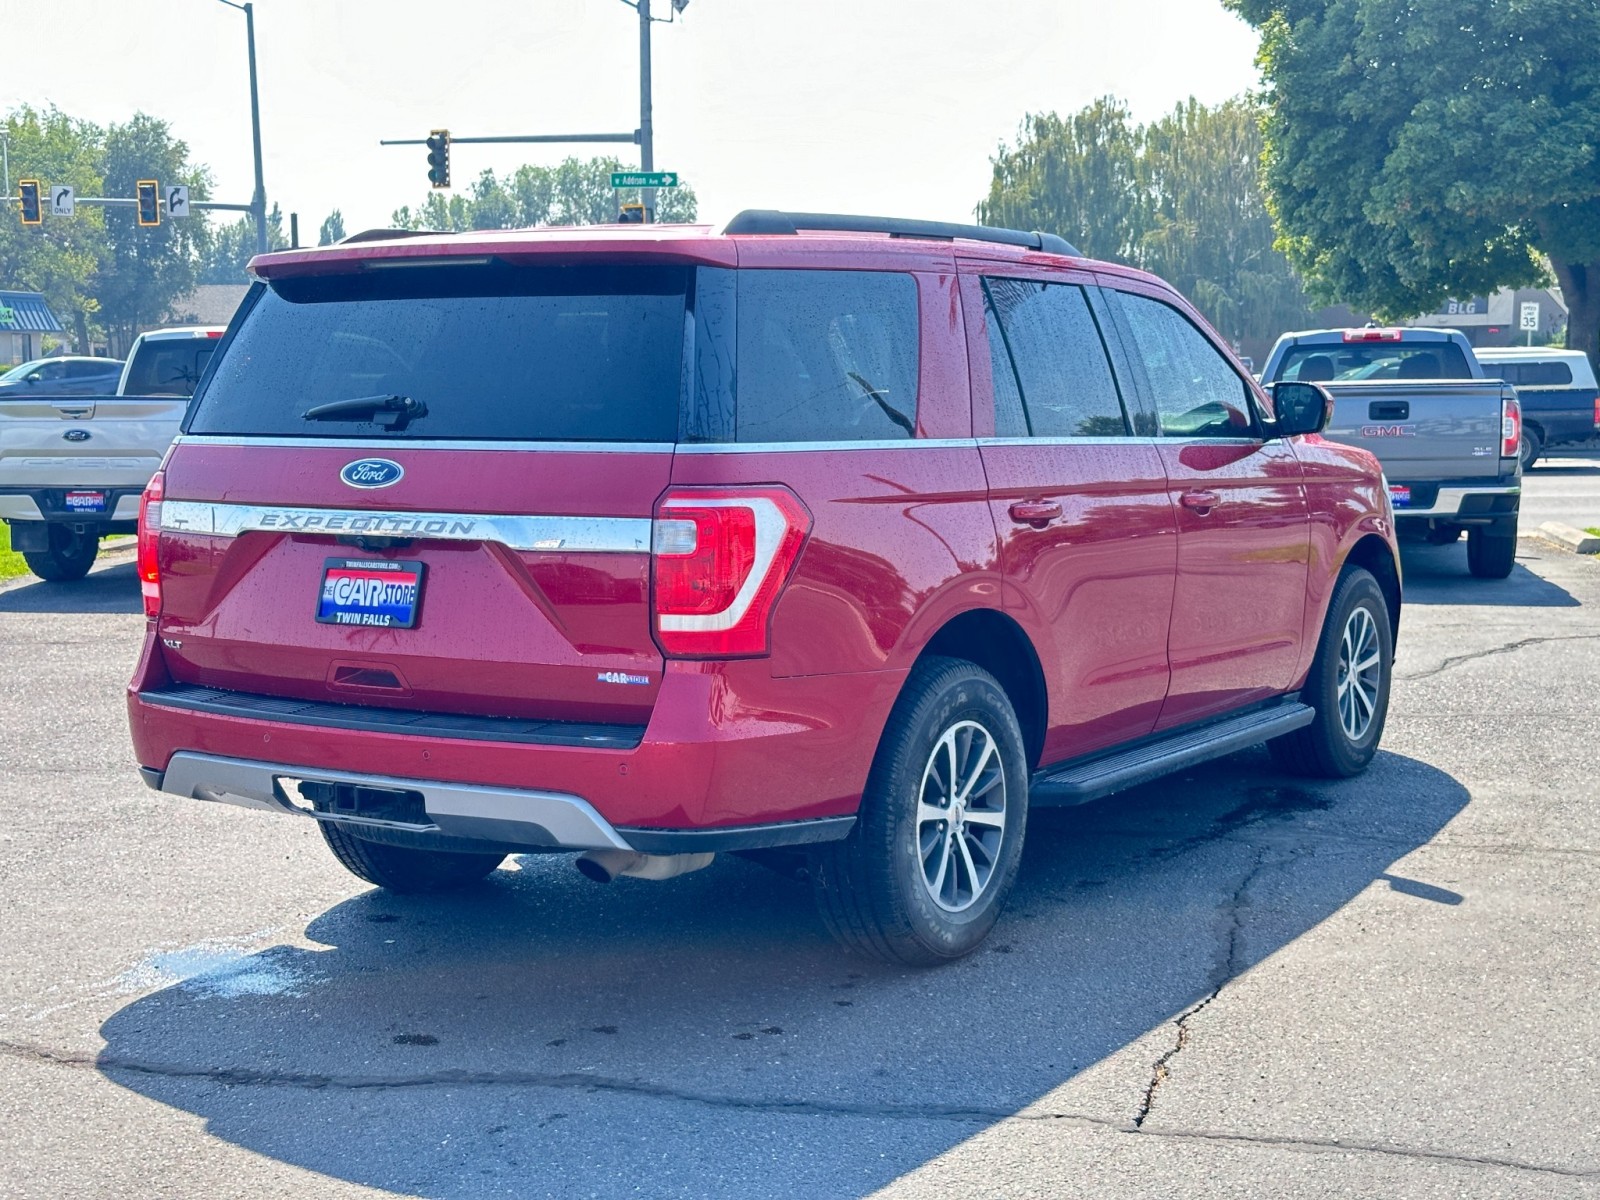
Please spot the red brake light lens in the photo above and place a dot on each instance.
(150, 544)
(1510, 427)
(721, 558)
(1372, 335)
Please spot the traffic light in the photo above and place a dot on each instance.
(439, 158)
(149, 202)
(32, 213)
(631, 214)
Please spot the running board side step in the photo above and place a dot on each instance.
(1080, 782)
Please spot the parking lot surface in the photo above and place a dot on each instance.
(1230, 983)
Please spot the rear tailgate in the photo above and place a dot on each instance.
(69, 441)
(1423, 431)
(488, 557)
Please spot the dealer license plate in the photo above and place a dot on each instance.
(1399, 496)
(86, 502)
(363, 591)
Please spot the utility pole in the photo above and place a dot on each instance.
(647, 146)
(260, 198)
(258, 202)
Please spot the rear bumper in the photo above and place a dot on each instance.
(731, 759)
(1481, 504)
(49, 504)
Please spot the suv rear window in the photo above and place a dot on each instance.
(169, 366)
(592, 353)
(1376, 361)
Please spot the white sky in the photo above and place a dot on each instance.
(872, 106)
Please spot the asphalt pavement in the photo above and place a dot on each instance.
(1231, 983)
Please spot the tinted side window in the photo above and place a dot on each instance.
(826, 356)
(1531, 374)
(1196, 392)
(1064, 386)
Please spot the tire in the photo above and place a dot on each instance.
(1337, 744)
(70, 556)
(404, 869)
(1532, 446)
(883, 891)
(1490, 553)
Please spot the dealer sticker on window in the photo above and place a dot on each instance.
(358, 591)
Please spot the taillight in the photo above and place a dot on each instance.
(1597, 412)
(721, 559)
(1510, 427)
(150, 544)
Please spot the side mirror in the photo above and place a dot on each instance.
(34, 376)
(1301, 408)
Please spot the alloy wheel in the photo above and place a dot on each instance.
(961, 816)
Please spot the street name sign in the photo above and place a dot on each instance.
(177, 202)
(60, 201)
(642, 179)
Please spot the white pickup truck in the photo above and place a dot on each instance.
(72, 468)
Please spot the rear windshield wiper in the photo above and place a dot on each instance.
(392, 412)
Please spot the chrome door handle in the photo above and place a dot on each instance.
(1035, 512)
(1201, 502)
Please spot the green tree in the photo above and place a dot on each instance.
(146, 268)
(1180, 197)
(577, 192)
(225, 255)
(1078, 177)
(332, 229)
(1419, 149)
(61, 257)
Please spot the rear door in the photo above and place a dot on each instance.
(1423, 431)
(108, 441)
(1243, 524)
(482, 550)
(1088, 542)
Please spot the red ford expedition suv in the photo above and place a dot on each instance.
(850, 538)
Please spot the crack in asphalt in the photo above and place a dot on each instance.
(1226, 970)
(961, 1114)
(1506, 648)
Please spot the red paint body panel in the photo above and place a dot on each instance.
(1143, 613)
(1239, 610)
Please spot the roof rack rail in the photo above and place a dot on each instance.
(384, 235)
(772, 220)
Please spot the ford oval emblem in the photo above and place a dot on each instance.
(371, 473)
(76, 435)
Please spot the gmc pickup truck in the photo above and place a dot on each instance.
(1449, 439)
(72, 468)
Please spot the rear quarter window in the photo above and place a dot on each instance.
(805, 356)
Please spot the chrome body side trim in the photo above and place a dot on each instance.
(825, 447)
(594, 535)
(489, 814)
(391, 445)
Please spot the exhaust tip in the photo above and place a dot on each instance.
(594, 869)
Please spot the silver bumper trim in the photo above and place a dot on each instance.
(487, 814)
(1448, 501)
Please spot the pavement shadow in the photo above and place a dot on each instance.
(107, 589)
(1439, 575)
(548, 1036)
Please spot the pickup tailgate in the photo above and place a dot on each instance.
(1446, 429)
(72, 441)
